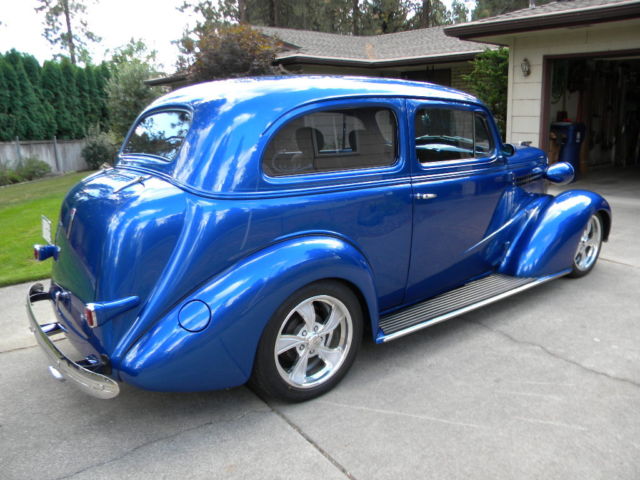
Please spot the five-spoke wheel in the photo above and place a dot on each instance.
(310, 342)
(588, 248)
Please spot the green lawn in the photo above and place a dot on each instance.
(20, 226)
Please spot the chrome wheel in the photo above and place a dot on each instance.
(313, 341)
(589, 245)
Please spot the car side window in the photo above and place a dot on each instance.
(444, 134)
(333, 140)
(483, 139)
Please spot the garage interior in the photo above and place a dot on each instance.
(603, 94)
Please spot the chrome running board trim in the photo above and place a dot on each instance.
(456, 302)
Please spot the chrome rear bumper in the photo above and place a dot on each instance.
(62, 368)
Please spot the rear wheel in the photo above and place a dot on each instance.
(588, 248)
(310, 343)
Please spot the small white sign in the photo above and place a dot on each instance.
(46, 229)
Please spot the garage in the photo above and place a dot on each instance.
(574, 79)
(594, 100)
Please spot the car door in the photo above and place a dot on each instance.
(457, 180)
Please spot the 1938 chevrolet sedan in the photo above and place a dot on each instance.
(253, 230)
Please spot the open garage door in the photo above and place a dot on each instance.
(595, 100)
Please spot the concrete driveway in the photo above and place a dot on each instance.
(544, 385)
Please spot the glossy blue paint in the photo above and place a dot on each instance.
(42, 252)
(212, 246)
(194, 316)
(549, 241)
(105, 311)
(242, 299)
(560, 173)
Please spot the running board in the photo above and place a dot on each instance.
(455, 302)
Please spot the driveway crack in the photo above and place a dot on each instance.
(309, 440)
(150, 442)
(555, 355)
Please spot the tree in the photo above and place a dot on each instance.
(9, 106)
(488, 81)
(490, 8)
(233, 51)
(127, 95)
(52, 89)
(459, 12)
(66, 27)
(75, 127)
(135, 50)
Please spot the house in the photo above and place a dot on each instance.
(425, 55)
(571, 61)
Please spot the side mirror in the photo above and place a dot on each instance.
(507, 150)
(560, 173)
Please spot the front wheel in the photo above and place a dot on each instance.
(309, 343)
(588, 248)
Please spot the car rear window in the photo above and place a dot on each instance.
(160, 134)
(333, 140)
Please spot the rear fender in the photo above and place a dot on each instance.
(241, 300)
(549, 241)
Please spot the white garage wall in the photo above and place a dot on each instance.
(524, 107)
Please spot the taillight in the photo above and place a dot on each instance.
(42, 252)
(91, 315)
(99, 313)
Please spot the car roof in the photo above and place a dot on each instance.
(293, 90)
(233, 121)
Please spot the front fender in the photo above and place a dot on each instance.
(550, 241)
(241, 300)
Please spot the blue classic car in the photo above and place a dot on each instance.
(255, 229)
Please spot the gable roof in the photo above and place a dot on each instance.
(556, 14)
(426, 45)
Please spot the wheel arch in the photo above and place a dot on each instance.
(242, 300)
(548, 241)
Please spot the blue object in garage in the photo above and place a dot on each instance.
(570, 136)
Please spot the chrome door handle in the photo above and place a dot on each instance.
(425, 196)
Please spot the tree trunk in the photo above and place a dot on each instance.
(356, 16)
(242, 11)
(273, 13)
(70, 44)
(425, 20)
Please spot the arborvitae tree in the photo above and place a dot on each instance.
(93, 111)
(74, 104)
(103, 74)
(34, 73)
(14, 92)
(31, 121)
(52, 89)
(83, 96)
(7, 120)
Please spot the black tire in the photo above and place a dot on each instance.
(589, 246)
(319, 331)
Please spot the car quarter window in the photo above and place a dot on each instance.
(444, 134)
(333, 140)
(159, 134)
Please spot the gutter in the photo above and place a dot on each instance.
(542, 21)
(360, 62)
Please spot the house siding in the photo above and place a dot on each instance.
(525, 101)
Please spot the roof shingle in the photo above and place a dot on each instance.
(422, 43)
